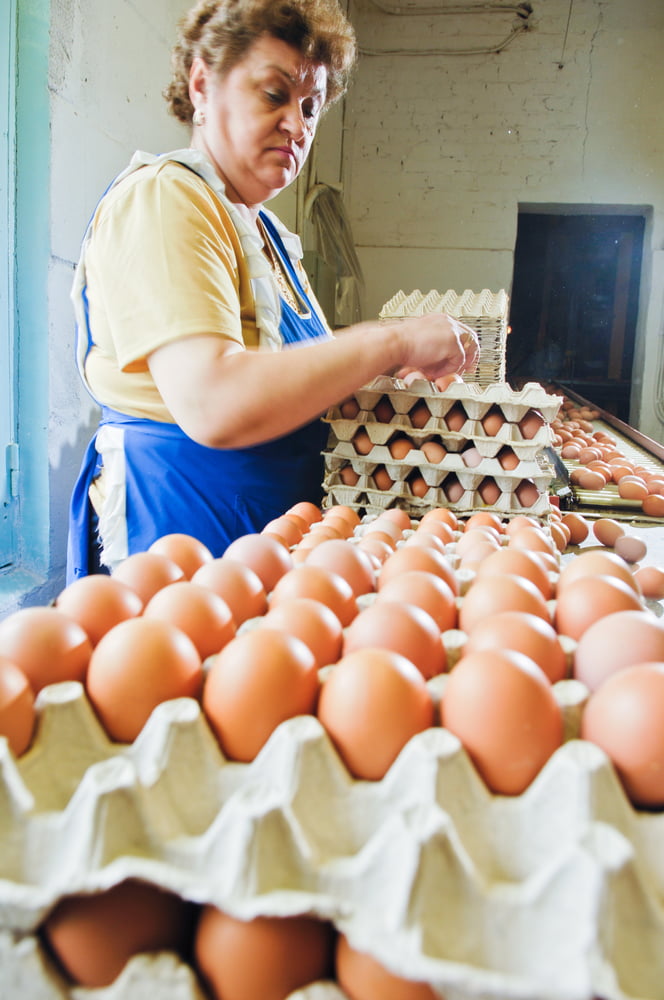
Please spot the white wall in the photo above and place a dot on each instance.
(441, 150)
(108, 65)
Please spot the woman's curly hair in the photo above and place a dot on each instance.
(222, 31)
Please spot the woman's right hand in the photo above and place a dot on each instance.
(437, 344)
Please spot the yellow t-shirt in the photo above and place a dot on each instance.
(164, 262)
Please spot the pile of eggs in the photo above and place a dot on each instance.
(433, 444)
(597, 463)
(382, 628)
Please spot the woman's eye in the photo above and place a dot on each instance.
(274, 96)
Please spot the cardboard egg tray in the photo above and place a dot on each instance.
(486, 312)
(556, 894)
(476, 402)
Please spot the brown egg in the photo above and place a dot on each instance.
(578, 527)
(471, 538)
(527, 493)
(348, 476)
(349, 561)
(632, 488)
(98, 603)
(404, 628)
(266, 556)
(531, 538)
(524, 633)
(257, 681)
(321, 584)
(476, 551)
(595, 563)
(147, 572)
(452, 488)
(420, 415)
(201, 614)
(502, 708)
(376, 547)
(187, 552)
(607, 530)
(427, 539)
(418, 485)
(382, 479)
(46, 645)
(587, 599)
(630, 548)
(398, 516)
(650, 580)
(440, 514)
(312, 622)
(427, 591)
(455, 417)
(17, 707)
(383, 411)
(438, 528)
(616, 641)
(136, 666)
(488, 595)
(93, 936)
(362, 977)
(443, 382)
(492, 421)
(518, 562)
(489, 490)
(237, 584)
(653, 505)
(371, 704)
(306, 510)
(288, 528)
(530, 423)
(267, 958)
(625, 717)
(508, 458)
(417, 557)
(399, 446)
(587, 479)
(433, 451)
(520, 521)
(349, 408)
(361, 441)
(345, 512)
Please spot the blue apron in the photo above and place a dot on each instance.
(174, 484)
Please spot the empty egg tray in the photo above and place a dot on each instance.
(555, 894)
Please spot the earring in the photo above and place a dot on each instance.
(198, 117)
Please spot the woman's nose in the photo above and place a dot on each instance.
(294, 121)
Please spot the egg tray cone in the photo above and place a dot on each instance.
(556, 894)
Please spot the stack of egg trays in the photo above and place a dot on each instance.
(554, 894)
(477, 401)
(486, 312)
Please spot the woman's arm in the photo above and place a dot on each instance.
(226, 397)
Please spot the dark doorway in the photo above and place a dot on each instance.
(574, 304)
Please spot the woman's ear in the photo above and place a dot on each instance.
(198, 80)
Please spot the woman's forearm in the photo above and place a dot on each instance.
(229, 399)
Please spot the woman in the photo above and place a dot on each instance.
(189, 292)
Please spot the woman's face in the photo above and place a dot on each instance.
(260, 118)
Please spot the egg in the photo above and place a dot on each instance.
(186, 551)
(492, 421)
(383, 411)
(420, 415)
(93, 936)
(607, 531)
(650, 580)
(455, 417)
(427, 591)
(404, 628)
(428, 539)
(136, 666)
(312, 622)
(502, 708)
(17, 707)
(595, 563)
(625, 717)
(587, 479)
(382, 480)
(518, 562)
(46, 645)
(147, 572)
(399, 446)
(417, 557)
(345, 512)
(376, 547)
(630, 548)
(350, 562)
(418, 485)
(237, 584)
(527, 493)
(361, 441)
(588, 599)
(532, 538)
(525, 633)
(320, 583)
(489, 594)
(489, 491)
(452, 488)
(362, 977)
(632, 488)
(287, 528)
(396, 515)
(201, 614)
(265, 958)
(266, 556)
(616, 641)
(439, 528)
(259, 679)
(508, 458)
(97, 603)
(307, 510)
(440, 514)
(433, 451)
(371, 704)
(653, 505)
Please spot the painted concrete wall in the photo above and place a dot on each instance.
(440, 151)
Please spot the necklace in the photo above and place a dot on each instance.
(282, 277)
